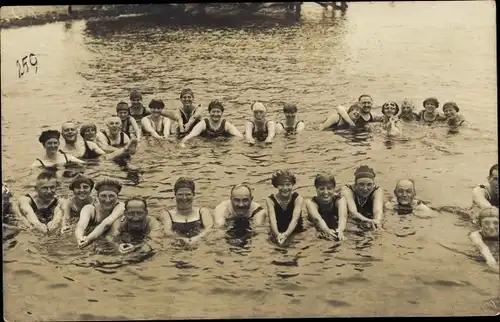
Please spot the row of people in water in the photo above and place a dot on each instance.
(129, 225)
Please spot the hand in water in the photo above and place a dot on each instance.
(126, 248)
(83, 242)
(131, 147)
(281, 238)
(43, 228)
(182, 145)
(51, 226)
(340, 235)
(65, 229)
(377, 224)
(251, 141)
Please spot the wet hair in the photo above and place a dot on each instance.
(107, 184)
(390, 102)
(47, 135)
(135, 94)
(122, 106)
(353, 107)
(215, 104)
(137, 199)
(452, 105)
(432, 100)
(289, 108)
(87, 126)
(281, 175)
(364, 171)
(184, 182)
(492, 169)
(46, 175)
(156, 103)
(364, 95)
(186, 91)
(79, 179)
(241, 185)
(324, 179)
(486, 213)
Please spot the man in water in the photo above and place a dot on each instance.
(486, 238)
(487, 195)
(112, 138)
(405, 203)
(12, 222)
(42, 209)
(366, 103)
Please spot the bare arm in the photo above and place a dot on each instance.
(27, 211)
(333, 119)
(378, 118)
(135, 126)
(146, 126)
(272, 216)
(196, 116)
(351, 205)
(208, 223)
(231, 129)
(58, 214)
(220, 214)
(94, 147)
(422, 211)
(167, 123)
(126, 138)
(83, 221)
(342, 211)
(312, 210)
(259, 217)
(167, 223)
(478, 242)
(345, 116)
(74, 159)
(479, 197)
(197, 129)
(102, 142)
(170, 115)
(300, 127)
(248, 132)
(271, 131)
(378, 205)
(107, 222)
(297, 212)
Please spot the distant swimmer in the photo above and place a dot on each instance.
(340, 119)
(214, 126)
(328, 209)
(53, 157)
(366, 103)
(186, 116)
(487, 195)
(407, 111)
(284, 208)
(135, 227)
(81, 186)
(112, 138)
(260, 129)
(430, 115)
(405, 203)
(364, 198)
(486, 238)
(97, 218)
(291, 124)
(137, 110)
(453, 119)
(43, 208)
(190, 223)
(156, 125)
(129, 125)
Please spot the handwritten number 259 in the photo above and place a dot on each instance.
(24, 68)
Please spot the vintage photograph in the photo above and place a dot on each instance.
(249, 160)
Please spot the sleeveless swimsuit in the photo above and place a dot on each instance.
(260, 134)
(365, 208)
(408, 118)
(138, 117)
(74, 213)
(126, 127)
(239, 226)
(53, 167)
(493, 244)
(492, 199)
(422, 119)
(93, 222)
(284, 217)
(329, 212)
(159, 132)
(187, 229)
(89, 153)
(46, 214)
(210, 133)
(121, 144)
(362, 122)
(290, 129)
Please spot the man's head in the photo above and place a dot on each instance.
(493, 179)
(69, 133)
(46, 185)
(405, 192)
(488, 221)
(241, 198)
(136, 211)
(114, 124)
(366, 103)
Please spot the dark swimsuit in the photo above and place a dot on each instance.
(329, 212)
(89, 153)
(210, 133)
(160, 132)
(493, 244)
(284, 217)
(121, 144)
(365, 208)
(133, 235)
(290, 129)
(362, 122)
(260, 134)
(92, 224)
(407, 118)
(138, 117)
(493, 200)
(54, 167)
(126, 126)
(187, 229)
(46, 214)
(422, 119)
(185, 118)
(239, 226)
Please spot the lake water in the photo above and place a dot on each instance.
(389, 50)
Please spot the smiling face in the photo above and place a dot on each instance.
(389, 110)
(406, 108)
(285, 188)
(46, 188)
(187, 100)
(135, 213)
(364, 186)
(366, 104)
(430, 107)
(82, 191)
(123, 114)
(89, 134)
(69, 132)
(325, 192)
(290, 115)
(215, 114)
(114, 125)
(355, 113)
(51, 145)
(449, 112)
(135, 102)
(107, 199)
(489, 226)
(241, 200)
(404, 192)
(156, 110)
(184, 198)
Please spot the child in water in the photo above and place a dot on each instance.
(284, 208)
(486, 238)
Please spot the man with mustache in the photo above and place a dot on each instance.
(405, 203)
(486, 196)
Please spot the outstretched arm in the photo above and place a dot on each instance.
(197, 130)
(312, 211)
(27, 211)
(208, 223)
(479, 197)
(231, 129)
(136, 128)
(297, 212)
(345, 116)
(478, 242)
(248, 132)
(107, 222)
(271, 131)
(146, 126)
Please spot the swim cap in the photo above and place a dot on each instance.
(79, 179)
(432, 100)
(122, 106)
(47, 135)
(258, 106)
(156, 104)
(184, 183)
(187, 91)
(215, 104)
(452, 105)
(364, 171)
(353, 107)
(87, 126)
(324, 179)
(281, 176)
(135, 94)
(487, 212)
(289, 108)
(108, 185)
(394, 104)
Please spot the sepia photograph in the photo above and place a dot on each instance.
(244, 160)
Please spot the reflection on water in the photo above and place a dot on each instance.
(409, 50)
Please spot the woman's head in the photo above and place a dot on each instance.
(354, 111)
(88, 131)
(215, 110)
(50, 140)
(156, 106)
(488, 221)
(107, 193)
(325, 186)
(450, 110)
(187, 97)
(390, 109)
(259, 110)
(135, 98)
(364, 180)
(284, 180)
(290, 110)
(81, 186)
(430, 104)
(122, 110)
(184, 190)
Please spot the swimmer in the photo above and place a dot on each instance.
(390, 122)
(453, 119)
(112, 138)
(135, 227)
(486, 195)
(290, 125)
(129, 124)
(260, 128)
(156, 125)
(366, 103)
(12, 221)
(486, 238)
(429, 115)
(96, 218)
(213, 127)
(407, 111)
(364, 198)
(405, 203)
(340, 119)
(42, 209)
(88, 131)
(137, 110)
(328, 210)
(284, 208)
(190, 223)
(53, 157)
(188, 115)
(81, 186)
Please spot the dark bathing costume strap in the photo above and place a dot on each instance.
(60, 151)
(187, 222)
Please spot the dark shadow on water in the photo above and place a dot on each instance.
(356, 136)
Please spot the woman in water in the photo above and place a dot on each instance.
(88, 131)
(390, 122)
(190, 223)
(129, 125)
(186, 116)
(486, 238)
(53, 157)
(429, 115)
(284, 208)
(260, 128)
(81, 186)
(137, 110)
(213, 127)
(453, 119)
(364, 198)
(328, 210)
(407, 111)
(340, 119)
(96, 218)
(156, 125)
(291, 125)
